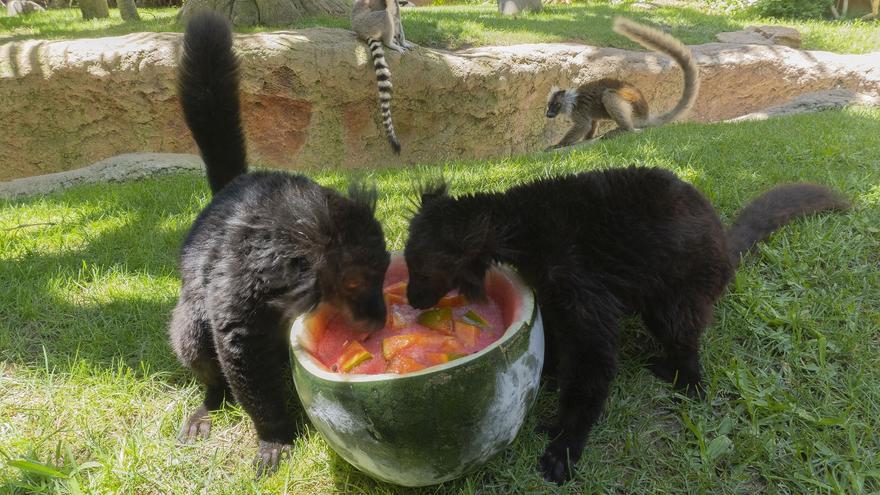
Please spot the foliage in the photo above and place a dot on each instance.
(463, 26)
(793, 9)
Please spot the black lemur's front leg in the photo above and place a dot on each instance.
(255, 361)
(584, 327)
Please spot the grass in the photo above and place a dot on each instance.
(461, 26)
(92, 396)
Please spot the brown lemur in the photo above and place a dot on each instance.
(613, 99)
(378, 22)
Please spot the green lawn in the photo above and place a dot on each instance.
(459, 26)
(89, 386)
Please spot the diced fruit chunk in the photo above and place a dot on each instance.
(452, 301)
(467, 333)
(439, 319)
(398, 289)
(394, 299)
(395, 319)
(472, 317)
(403, 364)
(392, 345)
(352, 355)
(435, 358)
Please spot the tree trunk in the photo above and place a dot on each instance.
(128, 10)
(265, 12)
(94, 9)
(514, 7)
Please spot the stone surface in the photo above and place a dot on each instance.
(779, 35)
(763, 35)
(309, 96)
(813, 102)
(743, 38)
(118, 168)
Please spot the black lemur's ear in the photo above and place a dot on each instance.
(432, 191)
(362, 194)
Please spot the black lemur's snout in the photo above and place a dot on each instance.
(369, 313)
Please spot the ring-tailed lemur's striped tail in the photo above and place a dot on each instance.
(383, 79)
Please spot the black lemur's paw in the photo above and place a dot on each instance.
(549, 427)
(269, 454)
(554, 464)
(196, 427)
(688, 383)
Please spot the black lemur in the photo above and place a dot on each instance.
(595, 246)
(268, 247)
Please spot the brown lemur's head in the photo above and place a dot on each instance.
(448, 248)
(560, 101)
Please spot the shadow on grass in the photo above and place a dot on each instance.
(108, 298)
(68, 23)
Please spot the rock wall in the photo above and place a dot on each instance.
(309, 97)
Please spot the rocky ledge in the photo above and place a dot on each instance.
(309, 96)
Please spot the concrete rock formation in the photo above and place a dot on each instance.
(763, 35)
(114, 169)
(309, 96)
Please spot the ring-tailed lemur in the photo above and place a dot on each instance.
(378, 22)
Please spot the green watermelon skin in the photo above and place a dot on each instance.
(433, 425)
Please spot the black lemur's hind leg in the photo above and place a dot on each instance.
(678, 324)
(255, 361)
(584, 328)
(193, 343)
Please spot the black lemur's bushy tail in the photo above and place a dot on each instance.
(659, 41)
(383, 80)
(208, 88)
(776, 208)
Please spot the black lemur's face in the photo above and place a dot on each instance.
(354, 273)
(555, 103)
(443, 253)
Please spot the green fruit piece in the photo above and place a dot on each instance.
(439, 319)
(472, 317)
(353, 355)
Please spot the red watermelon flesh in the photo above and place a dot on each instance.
(412, 346)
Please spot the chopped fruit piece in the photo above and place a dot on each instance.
(392, 345)
(455, 355)
(435, 358)
(467, 333)
(352, 355)
(451, 344)
(396, 319)
(453, 301)
(472, 317)
(316, 326)
(403, 364)
(398, 289)
(394, 299)
(439, 319)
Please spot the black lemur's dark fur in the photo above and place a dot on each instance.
(268, 247)
(595, 246)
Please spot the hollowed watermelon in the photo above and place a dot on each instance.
(434, 424)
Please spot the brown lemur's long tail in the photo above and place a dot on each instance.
(659, 41)
(207, 83)
(383, 80)
(775, 208)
